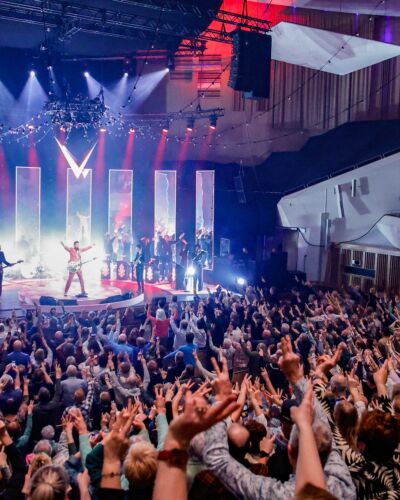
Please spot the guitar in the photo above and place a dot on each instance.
(11, 265)
(73, 267)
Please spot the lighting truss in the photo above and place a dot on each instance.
(76, 112)
(70, 18)
(162, 118)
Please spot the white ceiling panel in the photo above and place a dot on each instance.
(312, 48)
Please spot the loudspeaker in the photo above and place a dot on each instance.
(239, 187)
(47, 301)
(110, 300)
(251, 63)
(68, 302)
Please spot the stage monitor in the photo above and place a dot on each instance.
(120, 187)
(27, 211)
(205, 189)
(79, 208)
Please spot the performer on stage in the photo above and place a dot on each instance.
(139, 266)
(197, 263)
(75, 258)
(3, 263)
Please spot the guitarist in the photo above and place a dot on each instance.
(75, 257)
(4, 263)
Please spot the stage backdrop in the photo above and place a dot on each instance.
(165, 202)
(205, 189)
(79, 207)
(120, 190)
(27, 210)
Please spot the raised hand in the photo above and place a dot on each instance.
(289, 362)
(197, 417)
(222, 384)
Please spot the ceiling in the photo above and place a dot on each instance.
(102, 27)
(368, 7)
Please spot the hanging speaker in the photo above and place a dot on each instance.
(251, 63)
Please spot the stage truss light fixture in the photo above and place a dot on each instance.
(86, 74)
(171, 63)
(131, 130)
(240, 281)
(32, 73)
(165, 128)
(213, 122)
(190, 124)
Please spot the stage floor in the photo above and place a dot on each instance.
(22, 294)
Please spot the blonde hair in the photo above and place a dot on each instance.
(49, 483)
(140, 464)
(39, 461)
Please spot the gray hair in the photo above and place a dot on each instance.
(323, 438)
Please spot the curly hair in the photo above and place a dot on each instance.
(379, 434)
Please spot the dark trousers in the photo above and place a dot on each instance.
(139, 278)
(1, 281)
(198, 279)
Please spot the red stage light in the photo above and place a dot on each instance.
(102, 129)
(132, 131)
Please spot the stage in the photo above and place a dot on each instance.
(23, 294)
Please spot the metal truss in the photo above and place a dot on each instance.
(180, 20)
(197, 114)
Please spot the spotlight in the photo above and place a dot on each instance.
(126, 74)
(240, 281)
(190, 124)
(31, 128)
(103, 129)
(86, 74)
(191, 271)
(213, 122)
(131, 130)
(171, 63)
(32, 73)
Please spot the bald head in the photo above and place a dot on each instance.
(17, 346)
(122, 339)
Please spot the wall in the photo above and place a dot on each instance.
(377, 194)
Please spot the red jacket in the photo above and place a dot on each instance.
(160, 326)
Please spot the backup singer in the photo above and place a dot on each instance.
(198, 264)
(75, 258)
(139, 266)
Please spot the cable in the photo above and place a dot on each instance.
(298, 229)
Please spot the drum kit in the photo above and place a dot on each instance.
(33, 269)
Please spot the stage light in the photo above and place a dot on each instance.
(191, 271)
(213, 122)
(171, 63)
(131, 130)
(102, 129)
(32, 73)
(240, 281)
(86, 74)
(165, 129)
(31, 128)
(126, 74)
(190, 124)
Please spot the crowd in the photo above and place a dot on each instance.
(264, 395)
